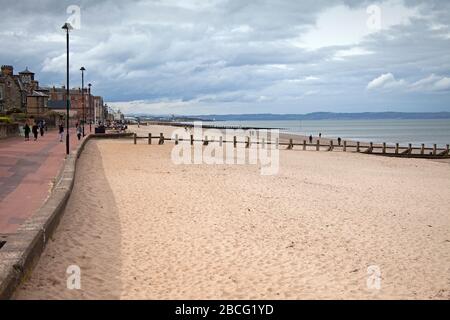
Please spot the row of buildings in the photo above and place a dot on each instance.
(22, 93)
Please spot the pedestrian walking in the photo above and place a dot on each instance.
(41, 129)
(339, 141)
(61, 132)
(310, 139)
(79, 132)
(26, 129)
(35, 131)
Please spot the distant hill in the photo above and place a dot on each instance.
(327, 116)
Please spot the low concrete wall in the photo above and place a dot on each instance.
(9, 130)
(22, 250)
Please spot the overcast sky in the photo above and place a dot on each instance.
(235, 56)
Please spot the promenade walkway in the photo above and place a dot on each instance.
(27, 171)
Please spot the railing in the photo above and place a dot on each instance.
(370, 148)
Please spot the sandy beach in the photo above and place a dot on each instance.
(141, 227)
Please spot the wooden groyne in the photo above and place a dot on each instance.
(367, 148)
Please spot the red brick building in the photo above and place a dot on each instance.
(58, 97)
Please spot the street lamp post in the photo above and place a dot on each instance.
(82, 96)
(90, 109)
(67, 27)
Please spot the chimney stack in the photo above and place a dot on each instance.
(7, 70)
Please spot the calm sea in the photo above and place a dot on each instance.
(378, 131)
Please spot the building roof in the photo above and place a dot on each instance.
(73, 91)
(37, 94)
(57, 104)
(26, 71)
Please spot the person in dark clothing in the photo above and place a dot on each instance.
(35, 131)
(339, 141)
(79, 132)
(41, 129)
(61, 132)
(27, 130)
(310, 139)
(320, 135)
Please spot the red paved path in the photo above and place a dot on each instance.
(27, 170)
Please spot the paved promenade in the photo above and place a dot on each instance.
(27, 171)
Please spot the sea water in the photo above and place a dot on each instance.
(390, 131)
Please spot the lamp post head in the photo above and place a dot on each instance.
(83, 69)
(89, 85)
(67, 26)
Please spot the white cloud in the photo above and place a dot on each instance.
(343, 25)
(242, 29)
(385, 81)
(443, 84)
(307, 79)
(352, 52)
(158, 107)
(431, 83)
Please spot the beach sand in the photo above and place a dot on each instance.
(141, 227)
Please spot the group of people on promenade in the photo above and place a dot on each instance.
(37, 128)
(40, 128)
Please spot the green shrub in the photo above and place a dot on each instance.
(13, 111)
(5, 120)
(19, 116)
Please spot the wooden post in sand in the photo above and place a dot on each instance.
(161, 138)
(357, 146)
(397, 147)
(135, 138)
(176, 139)
(434, 149)
(220, 141)
(291, 145)
(410, 148)
(331, 145)
(304, 144)
(149, 138)
(247, 144)
(192, 139)
(448, 150)
(234, 141)
(384, 147)
(345, 145)
(422, 149)
(370, 147)
(318, 145)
